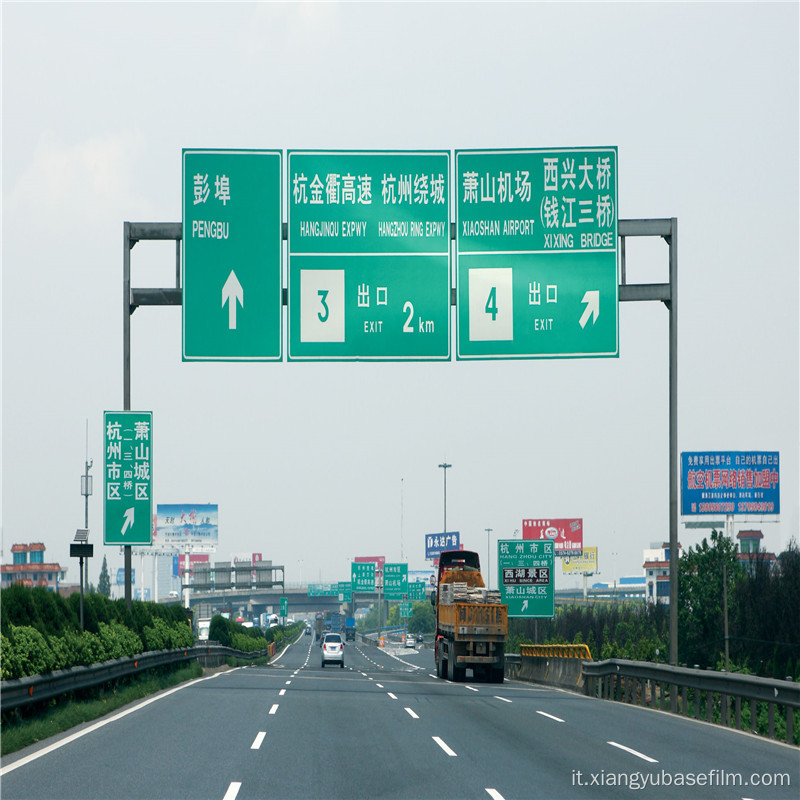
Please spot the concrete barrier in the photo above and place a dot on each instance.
(554, 665)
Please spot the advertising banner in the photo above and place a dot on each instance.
(437, 543)
(566, 534)
(730, 482)
(577, 565)
(186, 527)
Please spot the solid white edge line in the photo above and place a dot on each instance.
(633, 752)
(273, 709)
(258, 741)
(103, 722)
(493, 793)
(233, 790)
(411, 713)
(443, 745)
(550, 716)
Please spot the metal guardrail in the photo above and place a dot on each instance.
(24, 691)
(702, 694)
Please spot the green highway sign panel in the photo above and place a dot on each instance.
(526, 577)
(395, 581)
(369, 255)
(232, 301)
(362, 574)
(284, 606)
(536, 253)
(345, 591)
(416, 590)
(405, 610)
(128, 477)
(323, 589)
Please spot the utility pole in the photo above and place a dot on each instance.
(488, 557)
(445, 467)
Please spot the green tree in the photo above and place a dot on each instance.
(700, 598)
(104, 584)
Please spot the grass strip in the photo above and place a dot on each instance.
(60, 718)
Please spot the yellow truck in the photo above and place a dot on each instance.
(471, 623)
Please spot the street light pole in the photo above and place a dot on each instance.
(445, 467)
(488, 558)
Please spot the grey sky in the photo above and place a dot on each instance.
(307, 461)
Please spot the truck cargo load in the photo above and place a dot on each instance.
(471, 622)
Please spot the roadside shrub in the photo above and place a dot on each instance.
(29, 653)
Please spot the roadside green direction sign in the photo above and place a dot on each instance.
(369, 255)
(405, 610)
(232, 301)
(416, 590)
(345, 591)
(362, 575)
(525, 571)
(536, 253)
(323, 589)
(284, 606)
(395, 581)
(128, 477)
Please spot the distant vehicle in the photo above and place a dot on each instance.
(332, 649)
(308, 631)
(411, 640)
(173, 593)
(350, 629)
(420, 638)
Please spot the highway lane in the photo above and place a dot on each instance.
(385, 727)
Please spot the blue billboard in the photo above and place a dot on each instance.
(437, 543)
(730, 482)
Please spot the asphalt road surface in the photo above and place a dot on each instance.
(385, 727)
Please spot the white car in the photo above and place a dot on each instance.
(332, 649)
(411, 640)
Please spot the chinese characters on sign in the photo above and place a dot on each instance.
(437, 543)
(525, 569)
(363, 576)
(730, 482)
(369, 255)
(232, 302)
(128, 477)
(536, 253)
(395, 581)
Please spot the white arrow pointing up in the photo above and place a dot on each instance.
(128, 520)
(231, 292)
(592, 300)
(525, 605)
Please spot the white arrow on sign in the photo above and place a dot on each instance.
(231, 292)
(525, 605)
(128, 520)
(592, 300)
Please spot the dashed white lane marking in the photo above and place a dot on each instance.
(472, 688)
(393, 696)
(282, 692)
(233, 790)
(411, 713)
(258, 741)
(288, 683)
(506, 700)
(431, 676)
(443, 745)
(633, 752)
(550, 716)
(379, 685)
(273, 709)
(494, 794)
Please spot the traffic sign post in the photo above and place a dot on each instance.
(406, 610)
(526, 577)
(369, 255)
(395, 581)
(232, 245)
(416, 590)
(128, 477)
(284, 607)
(362, 576)
(345, 592)
(536, 253)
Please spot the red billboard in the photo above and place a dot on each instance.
(379, 561)
(566, 534)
